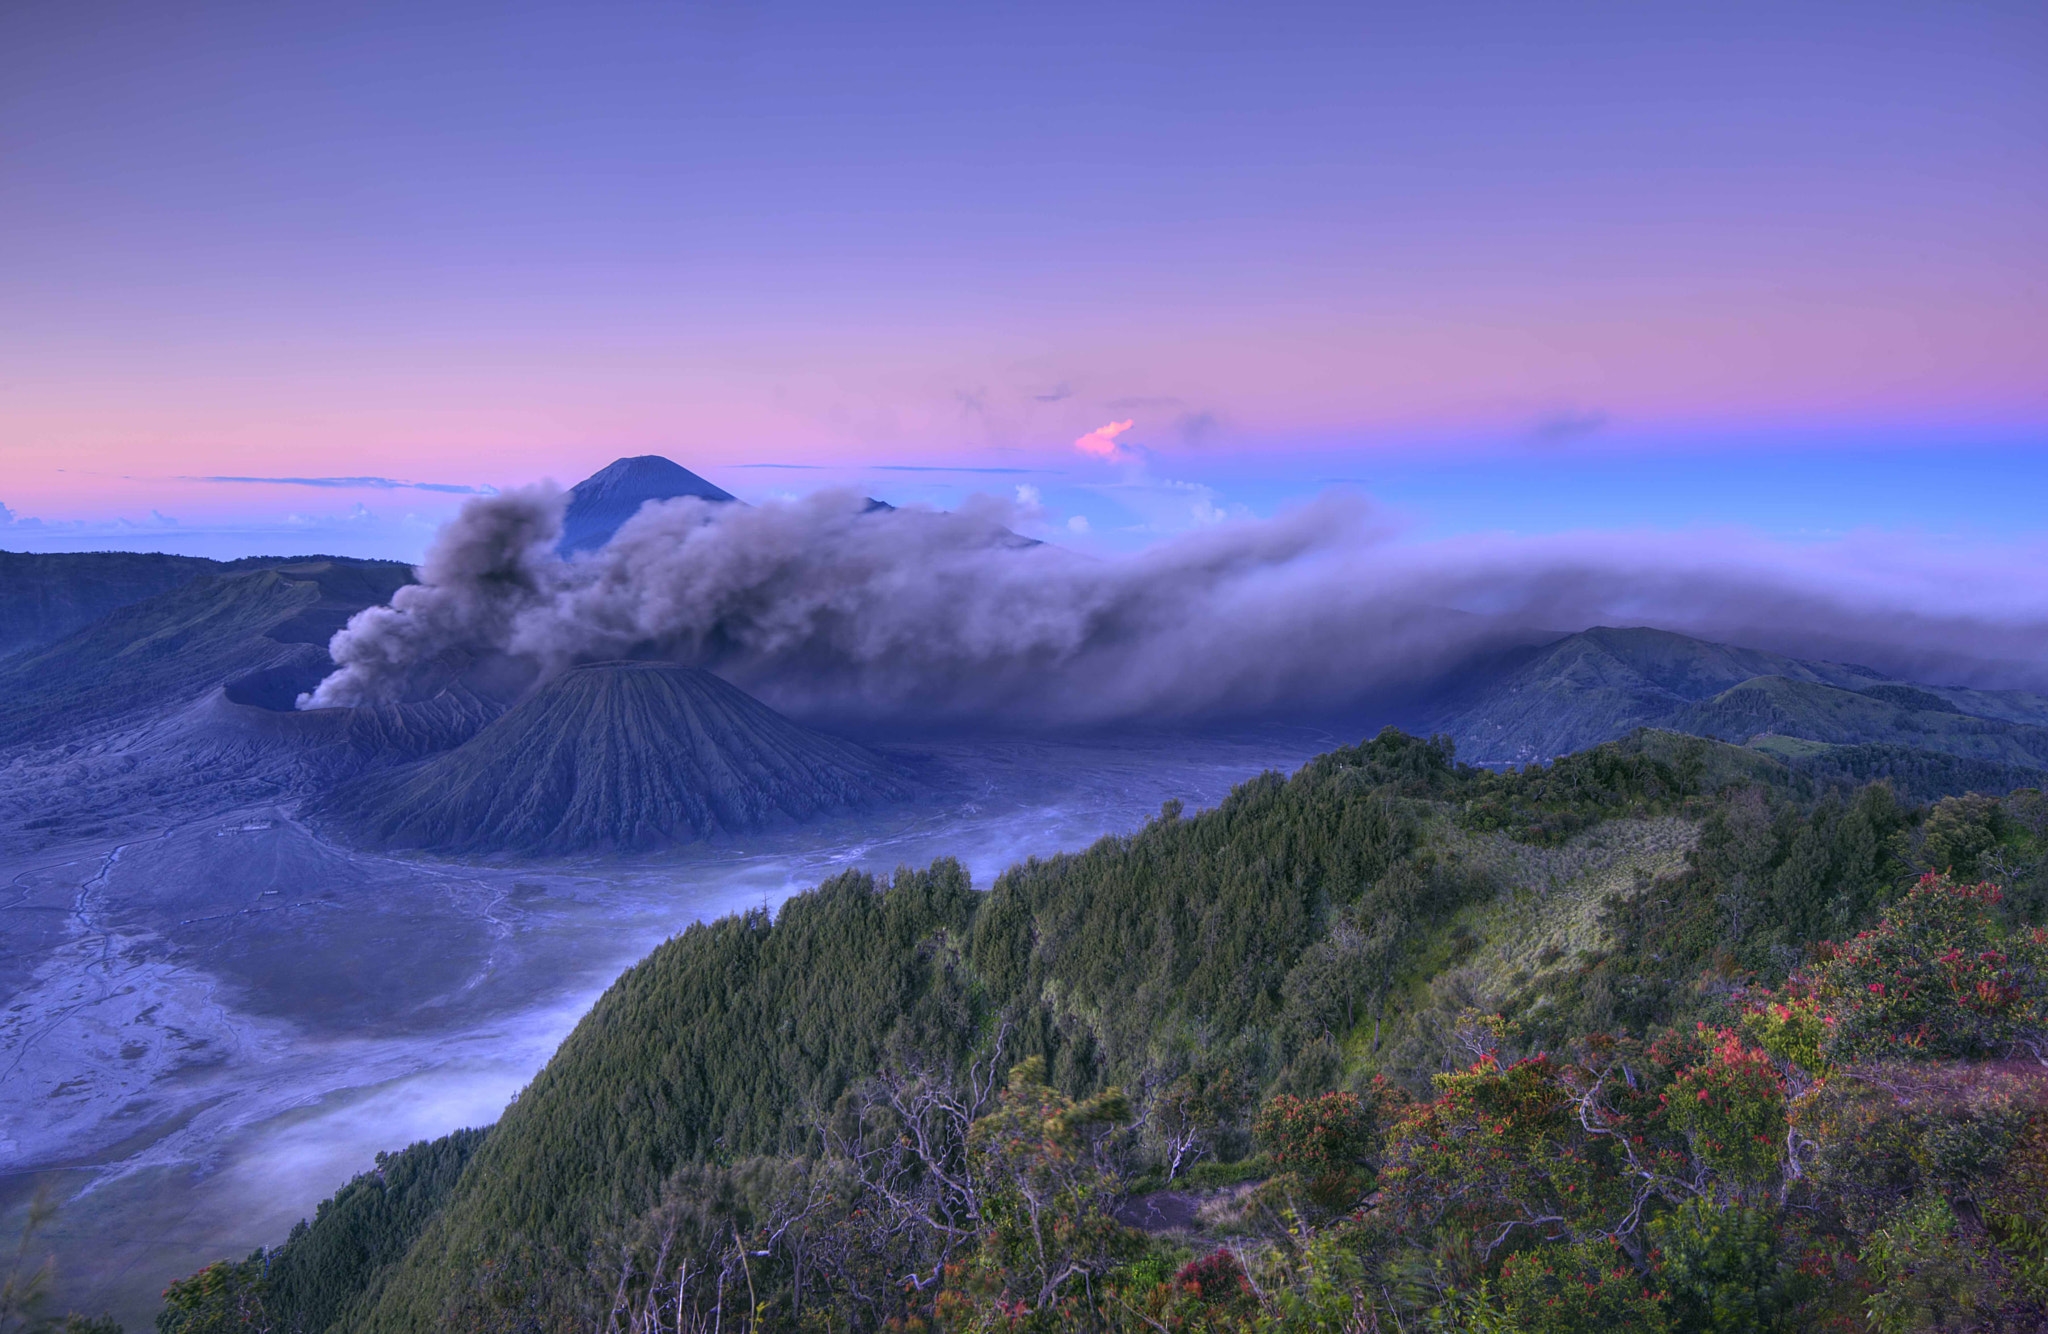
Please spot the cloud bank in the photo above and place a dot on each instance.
(827, 609)
(358, 484)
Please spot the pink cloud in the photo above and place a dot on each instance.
(1101, 442)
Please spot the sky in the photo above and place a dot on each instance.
(291, 278)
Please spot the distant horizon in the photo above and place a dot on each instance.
(1505, 271)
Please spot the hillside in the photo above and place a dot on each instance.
(1879, 715)
(1347, 933)
(1604, 683)
(1601, 684)
(45, 596)
(616, 756)
(176, 646)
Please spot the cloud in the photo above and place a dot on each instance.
(357, 483)
(947, 467)
(1101, 442)
(912, 616)
(1078, 524)
(1167, 506)
(1561, 428)
(1055, 394)
(29, 524)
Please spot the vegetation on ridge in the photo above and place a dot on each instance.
(1391, 1042)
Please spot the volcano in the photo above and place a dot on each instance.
(616, 756)
(603, 501)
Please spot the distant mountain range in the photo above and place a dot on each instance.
(130, 673)
(1600, 684)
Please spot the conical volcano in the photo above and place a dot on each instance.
(622, 756)
(603, 501)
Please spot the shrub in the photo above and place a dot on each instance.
(1924, 1274)
(1328, 1142)
(1732, 1108)
(1571, 1289)
(1936, 978)
(1790, 1028)
(2013, 1212)
(1725, 1270)
(1217, 1279)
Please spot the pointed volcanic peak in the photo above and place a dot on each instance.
(601, 503)
(616, 756)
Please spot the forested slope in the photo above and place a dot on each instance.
(1329, 984)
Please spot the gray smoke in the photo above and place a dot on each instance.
(826, 608)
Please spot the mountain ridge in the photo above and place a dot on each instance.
(1601, 684)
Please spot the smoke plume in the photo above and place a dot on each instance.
(824, 607)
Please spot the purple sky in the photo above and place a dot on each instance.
(1508, 267)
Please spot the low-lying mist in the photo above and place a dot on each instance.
(826, 607)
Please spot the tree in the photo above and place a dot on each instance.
(1047, 1187)
(1331, 1142)
(226, 1297)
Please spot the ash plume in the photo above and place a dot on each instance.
(822, 606)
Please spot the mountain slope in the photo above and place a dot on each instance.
(603, 501)
(616, 756)
(1601, 684)
(1605, 682)
(1310, 932)
(178, 645)
(1883, 715)
(45, 596)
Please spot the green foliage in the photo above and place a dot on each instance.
(1766, 878)
(2013, 1212)
(1330, 1142)
(1048, 1227)
(1732, 1107)
(1726, 1271)
(342, 1256)
(1573, 1288)
(803, 1123)
(333, 1263)
(1504, 1153)
(1916, 774)
(1790, 1028)
(1924, 1274)
(1193, 927)
(226, 1297)
(729, 1040)
(1546, 804)
(1937, 977)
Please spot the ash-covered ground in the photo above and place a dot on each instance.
(211, 1021)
